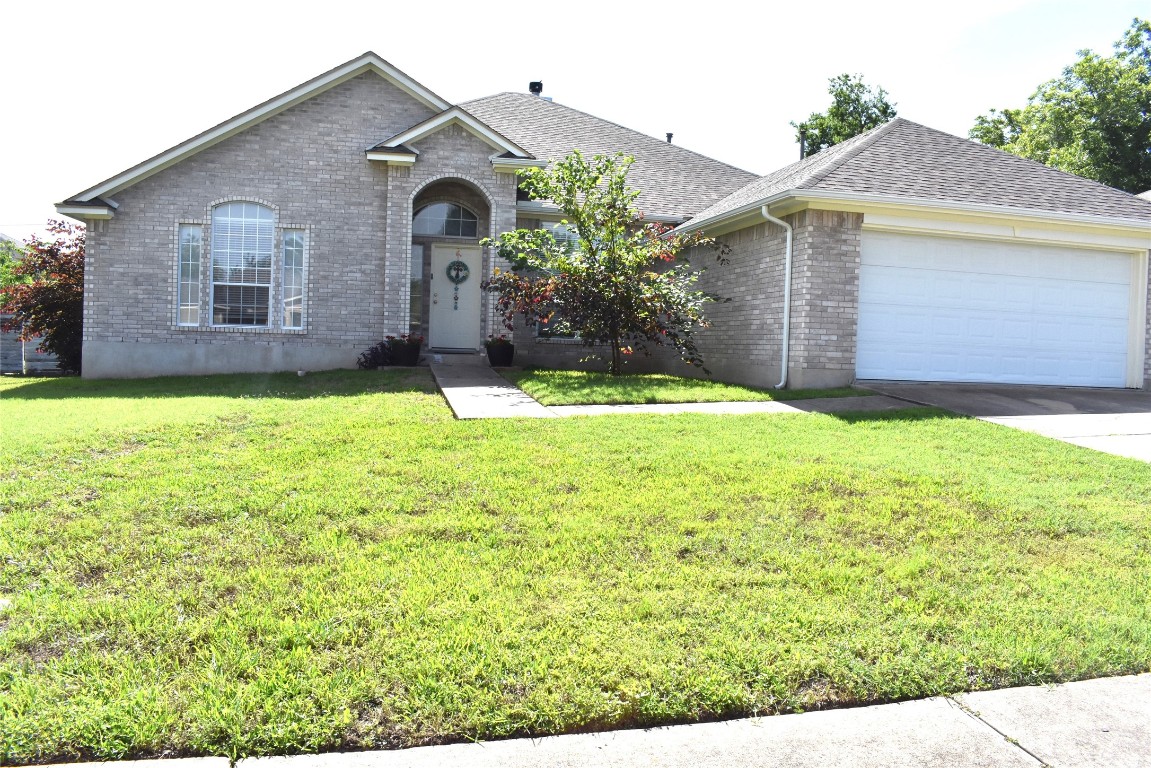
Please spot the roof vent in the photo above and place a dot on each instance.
(536, 87)
(669, 137)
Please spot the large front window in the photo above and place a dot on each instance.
(243, 241)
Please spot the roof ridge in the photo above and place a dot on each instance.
(653, 139)
(862, 142)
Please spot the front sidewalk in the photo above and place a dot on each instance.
(1103, 723)
(475, 391)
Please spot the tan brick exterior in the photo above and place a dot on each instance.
(743, 343)
(825, 298)
(308, 165)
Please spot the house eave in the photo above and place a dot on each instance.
(797, 199)
(85, 212)
(392, 158)
(514, 164)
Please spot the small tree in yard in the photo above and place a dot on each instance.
(619, 283)
(45, 293)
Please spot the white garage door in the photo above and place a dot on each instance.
(951, 309)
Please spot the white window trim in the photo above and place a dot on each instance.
(200, 276)
(207, 298)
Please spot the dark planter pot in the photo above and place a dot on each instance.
(405, 354)
(500, 355)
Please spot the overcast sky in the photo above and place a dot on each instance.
(93, 88)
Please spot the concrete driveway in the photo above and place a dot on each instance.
(1115, 421)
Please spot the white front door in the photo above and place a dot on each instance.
(454, 320)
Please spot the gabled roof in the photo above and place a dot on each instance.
(368, 62)
(907, 163)
(454, 116)
(675, 182)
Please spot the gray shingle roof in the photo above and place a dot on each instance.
(908, 160)
(674, 181)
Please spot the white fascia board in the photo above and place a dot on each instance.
(85, 212)
(847, 200)
(997, 211)
(457, 116)
(391, 158)
(245, 120)
(537, 206)
(725, 221)
(513, 164)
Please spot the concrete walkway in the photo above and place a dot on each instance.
(1091, 724)
(475, 391)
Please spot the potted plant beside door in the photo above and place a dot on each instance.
(500, 351)
(405, 348)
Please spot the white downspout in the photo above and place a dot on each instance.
(786, 297)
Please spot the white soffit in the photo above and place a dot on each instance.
(369, 62)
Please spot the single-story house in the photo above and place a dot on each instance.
(300, 232)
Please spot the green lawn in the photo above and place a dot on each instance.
(552, 387)
(253, 565)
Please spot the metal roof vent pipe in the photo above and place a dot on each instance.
(669, 137)
(536, 87)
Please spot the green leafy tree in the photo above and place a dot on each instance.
(1094, 120)
(10, 255)
(619, 282)
(46, 295)
(855, 108)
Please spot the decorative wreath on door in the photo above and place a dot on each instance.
(458, 272)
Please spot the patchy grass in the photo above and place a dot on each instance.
(259, 565)
(552, 387)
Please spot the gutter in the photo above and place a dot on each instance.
(785, 343)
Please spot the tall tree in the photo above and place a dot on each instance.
(621, 284)
(1094, 120)
(45, 295)
(855, 108)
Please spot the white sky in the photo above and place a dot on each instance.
(91, 88)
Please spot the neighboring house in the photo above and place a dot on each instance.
(302, 231)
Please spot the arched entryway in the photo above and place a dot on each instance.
(449, 218)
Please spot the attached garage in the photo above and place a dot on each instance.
(935, 308)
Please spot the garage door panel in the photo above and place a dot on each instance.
(940, 309)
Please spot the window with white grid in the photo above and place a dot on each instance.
(293, 278)
(243, 241)
(191, 251)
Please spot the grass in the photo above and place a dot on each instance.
(552, 387)
(262, 565)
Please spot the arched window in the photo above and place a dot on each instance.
(445, 220)
(243, 243)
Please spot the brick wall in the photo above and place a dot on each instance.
(825, 297)
(308, 165)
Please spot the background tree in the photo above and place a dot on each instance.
(855, 108)
(10, 255)
(1094, 120)
(622, 283)
(46, 297)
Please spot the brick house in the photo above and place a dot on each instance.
(302, 231)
